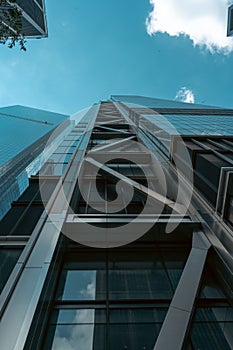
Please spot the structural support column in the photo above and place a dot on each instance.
(175, 325)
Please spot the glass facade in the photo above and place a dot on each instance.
(194, 124)
(230, 21)
(21, 126)
(8, 259)
(23, 136)
(33, 18)
(116, 299)
(212, 326)
(73, 280)
(162, 119)
(150, 102)
(58, 161)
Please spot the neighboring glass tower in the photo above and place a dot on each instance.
(23, 135)
(123, 239)
(230, 21)
(34, 23)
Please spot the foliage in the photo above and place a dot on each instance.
(11, 24)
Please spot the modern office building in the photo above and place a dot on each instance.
(230, 21)
(23, 136)
(123, 239)
(34, 23)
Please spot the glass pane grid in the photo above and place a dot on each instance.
(118, 301)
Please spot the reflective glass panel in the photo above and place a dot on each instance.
(213, 329)
(84, 281)
(77, 337)
(8, 259)
(136, 328)
(131, 277)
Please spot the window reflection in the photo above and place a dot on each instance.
(127, 280)
(82, 281)
(136, 328)
(213, 329)
(212, 326)
(77, 329)
(151, 276)
(148, 282)
(67, 337)
(114, 300)
(211, 288)
(80, 285)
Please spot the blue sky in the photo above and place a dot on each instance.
(99, 48)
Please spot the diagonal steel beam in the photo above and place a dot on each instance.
(176, 324)
(112, 145)
(138, 187)
(112, 129)
(109, 121)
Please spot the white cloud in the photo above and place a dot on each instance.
(185, 95)
(203, 21)
(89, 292)
(80, 332)
(77, 335)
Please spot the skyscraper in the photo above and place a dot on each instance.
(34, 23)
(230, 21)
(123, 239)
(23, 136)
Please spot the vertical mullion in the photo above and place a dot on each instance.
(107, 302)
